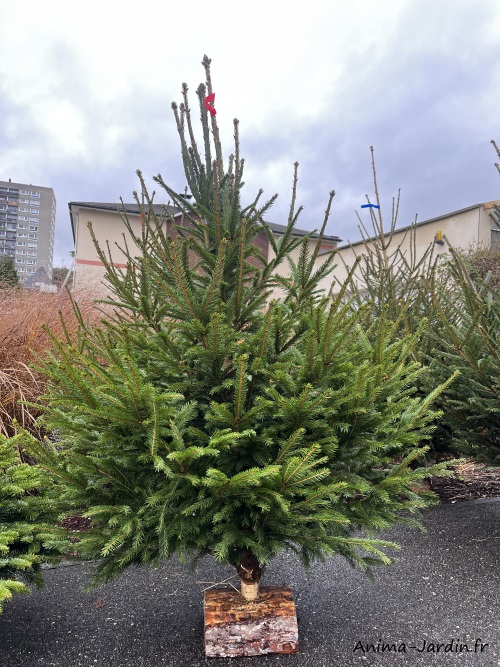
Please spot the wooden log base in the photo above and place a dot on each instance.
(237, 627)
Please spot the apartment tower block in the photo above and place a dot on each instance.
(27, 225)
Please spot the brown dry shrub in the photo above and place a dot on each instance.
(22, 339)
(484, 263)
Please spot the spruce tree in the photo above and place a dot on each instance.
(8, 273)
(387, 273)
(28, 511)
(467, 342)
(224, 405)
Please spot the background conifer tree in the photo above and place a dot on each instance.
(8, 273)
(225, 409)
(467, 341)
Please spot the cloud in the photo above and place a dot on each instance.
(85, 99)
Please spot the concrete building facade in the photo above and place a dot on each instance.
(27, 226)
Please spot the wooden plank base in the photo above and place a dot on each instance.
(236, 627)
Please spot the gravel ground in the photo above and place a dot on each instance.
(444, 588)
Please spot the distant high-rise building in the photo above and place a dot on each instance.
(27, 225)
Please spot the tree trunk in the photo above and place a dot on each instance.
(249, 572)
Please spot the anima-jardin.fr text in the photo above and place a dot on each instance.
(424, 646)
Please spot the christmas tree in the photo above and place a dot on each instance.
(28, 537)
(467, 341)
(224, 405)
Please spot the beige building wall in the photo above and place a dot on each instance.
(468, 227)
(109, 227)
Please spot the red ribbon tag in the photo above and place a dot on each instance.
(208, 104)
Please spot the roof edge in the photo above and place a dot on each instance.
(415, 224)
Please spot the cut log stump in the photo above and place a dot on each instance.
(237, 627)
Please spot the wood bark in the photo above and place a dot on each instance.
(237, 627)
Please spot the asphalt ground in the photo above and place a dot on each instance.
(444, 588)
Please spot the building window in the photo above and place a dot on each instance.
(20, 269)
(19, 261)
(24, 192)
(30, 261)
(34, 203)
(33, 212)
(23, 236)
(33, 237)
(23, 217)
(24, 201)
(21, 243)
(22, 226)
(23, 209)
(34, 220)
(30, 253)
(20, 252)
(35, 194)
(31, 245)
(33, 228)
(30, 271)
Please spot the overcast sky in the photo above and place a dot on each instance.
(85, 93)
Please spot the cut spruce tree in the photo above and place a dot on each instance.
(467, 341)
(224, 406)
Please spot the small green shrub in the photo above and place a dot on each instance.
(28, 537)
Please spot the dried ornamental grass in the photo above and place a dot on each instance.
(22, 338)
